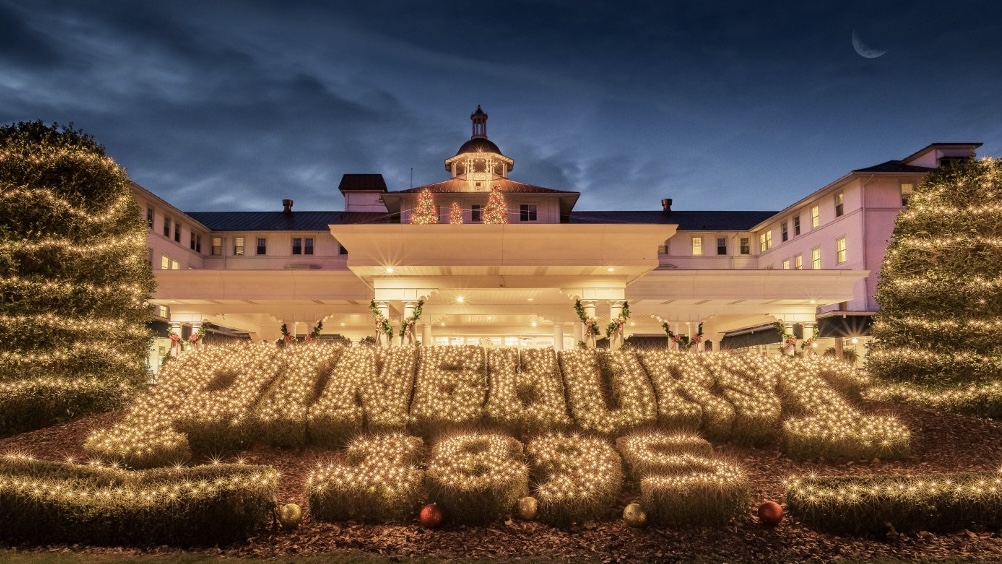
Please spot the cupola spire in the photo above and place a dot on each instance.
(479, 119)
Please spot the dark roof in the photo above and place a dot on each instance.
(362, 182)
(281, 221)
(894, 166)
(479, 145)
(505, 185)
(686, 220)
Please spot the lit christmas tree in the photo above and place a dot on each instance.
(496, 210)
(455, 214)
(940, 312)
(74, 277)
(425, 212)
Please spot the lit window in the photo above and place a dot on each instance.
(527, 212)
(840, 250)
(839, 204)
(815, 217)
(816, 258)
(164, 262)
(906, 193)
(149, 217)
(262, 246)
(297, 245)
(166, 226)
(309, 246)
(217, 246)
(796, 225)
(163, 311)
(798, 262)
(177, 232)
(238, 245)
(745, 246)
(786, 264)
(721, 245)
(765, 241)
(785, 232)
(174, 265)
(475, 213)
(697, 246)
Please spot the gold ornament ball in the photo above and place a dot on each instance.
(528, 508)
(770, 513)
(290, 516)
(634, 515)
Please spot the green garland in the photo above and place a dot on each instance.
(684, 342)
(381, 321)
(619, 321)
(412, 319)
(315, 333)
(591, 323)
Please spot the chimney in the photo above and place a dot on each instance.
(287, 206)
(665, 205)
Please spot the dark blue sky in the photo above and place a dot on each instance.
(719, 105)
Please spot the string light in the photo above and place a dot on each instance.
(607, 391)
(526, 392)
(578, 477)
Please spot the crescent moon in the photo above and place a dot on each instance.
(862, 49)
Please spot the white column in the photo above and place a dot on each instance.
(382, 339)
(615, 309)
(576, 329)
(175, 346)
(196, 326)
(789, 351)
(558, 336)
(589, 309)
(408, 338)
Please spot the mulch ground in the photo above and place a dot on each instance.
(940, 443)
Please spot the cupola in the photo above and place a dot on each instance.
(479, 158)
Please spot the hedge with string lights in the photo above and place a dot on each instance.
(939, 320)
(74, 276)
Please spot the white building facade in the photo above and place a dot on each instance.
(812, 266)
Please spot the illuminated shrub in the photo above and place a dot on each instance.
(71, 503)
(74, 276)
(607, 391)
(984, 400)
(682, 482)
(477, 477)
(909, 503)
(280, 415)
(377, 478)
(526, 390)
(751, 388)
(451, 388)
(830, 427)
(698, 385)
(578, 478)
(664, 370)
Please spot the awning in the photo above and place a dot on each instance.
(845, 324)
(762, 335)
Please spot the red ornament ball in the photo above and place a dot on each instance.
(431, 516)
(770, 513)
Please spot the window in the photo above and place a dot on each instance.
(164, 262)
(798, 262)
(839, 204)
(745, 246)
(177, 232)
(796, 225)
(786, 264)
(906, 193)
(192, 243)
(309, 246)
(765, 241)
(697, 246)
(149, 217)
(785, 232)
(341, 250)
(475, 213)
(174, 265)
(815, 217)
(166, 226)
(262, 246)
(721, 245)
(297, 245)
(238, 245)
(163, 311)
(840, 250)
(816, 258)
(217, 246)
(198, 243)
(527, 212)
